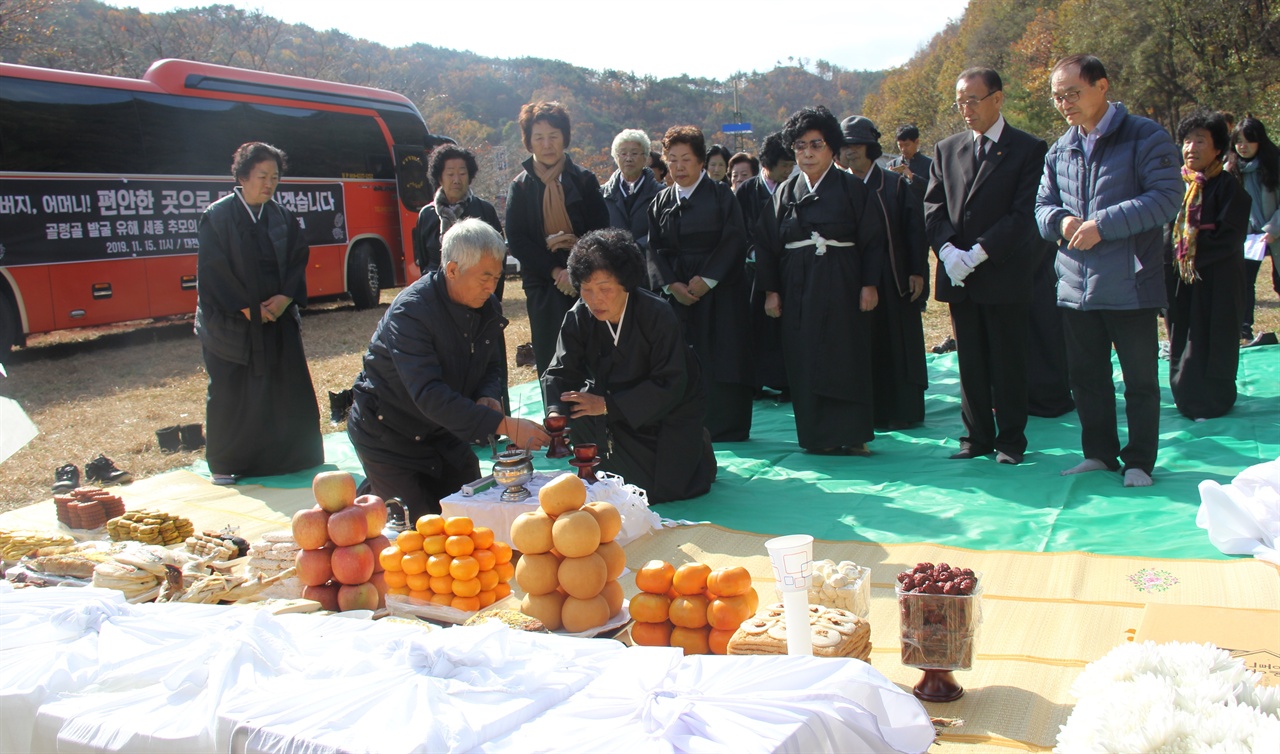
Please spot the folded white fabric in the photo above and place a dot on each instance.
(655, 700)
(1243, 518)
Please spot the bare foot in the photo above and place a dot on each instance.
(1088, 464)
(1136, 478)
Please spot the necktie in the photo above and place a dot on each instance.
(980, 151)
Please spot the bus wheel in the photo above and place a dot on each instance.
(362, 277)
(10, 325)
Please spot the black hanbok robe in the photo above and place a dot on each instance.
(427, 236)
(704, 236)
(1204, 316)
(652, 434)
(261, 417)
(826, 336)
(766, 332)
(899, 374)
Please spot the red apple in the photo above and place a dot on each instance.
(325, 594)
(357, 597)
(311, 528)
(377, 544)
(352, 564)
(379, 582)
(334, 490)
(374, 510)
(348, 527)
(313, 567)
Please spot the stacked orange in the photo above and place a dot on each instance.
(569, 563)
(691, 607)
(450, 562)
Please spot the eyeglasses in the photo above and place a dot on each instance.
(1069, 98)
(807, 146)
(965, 104)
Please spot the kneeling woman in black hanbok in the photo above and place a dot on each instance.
(819, 257)
(261, 415)
(625, 376)
(1206, 276)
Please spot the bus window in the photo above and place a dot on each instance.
(189, 136)
(324, 144)
(46, 126)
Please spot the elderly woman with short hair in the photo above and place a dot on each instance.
(625, 375)
(433, 377)
(452, 169)
(632, 187)
(550, 205)
(697, 249)
(742, 168)
(717, 165)
(820, 255)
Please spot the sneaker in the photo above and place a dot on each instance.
(103, 471)
(946, 346)
(169, 439)
(192, 436)
(224, 480)
(66, 478)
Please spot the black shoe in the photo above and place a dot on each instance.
(1263, 339)
(525, 356)
(66, 478)
(946, 346)
(339, 405)
(169, 439)
(192, 436)
(784, 395)
(1246, 332)
(103, 471)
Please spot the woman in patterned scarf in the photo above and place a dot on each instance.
(1206, 273)
(452, 170)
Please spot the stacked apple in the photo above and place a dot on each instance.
(691, 607)
(339, 539)
(450, 562)
(569, 566)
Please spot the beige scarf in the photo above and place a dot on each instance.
(555, 218)
(1187, 227)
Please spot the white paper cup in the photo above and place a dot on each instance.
(792, 559)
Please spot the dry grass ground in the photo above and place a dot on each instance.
(106, 390)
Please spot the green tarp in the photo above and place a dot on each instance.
(909, 491)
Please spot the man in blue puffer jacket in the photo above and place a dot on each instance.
(1110, 185)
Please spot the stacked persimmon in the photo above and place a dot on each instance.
(450, 562)
(569, 562)
(691, 607)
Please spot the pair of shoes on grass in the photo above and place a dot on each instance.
(100, 470)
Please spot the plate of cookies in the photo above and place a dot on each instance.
(835, 633)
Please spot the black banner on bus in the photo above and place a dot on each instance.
(79, 220)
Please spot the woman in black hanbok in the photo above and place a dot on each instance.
(624, 374)
(820, 255)
(261, 417)
(697, 249)
(1206, 273)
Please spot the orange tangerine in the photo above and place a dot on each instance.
(650, 608)
(486, 559)
(689, 611)
(434, 544)
(442, 599)
(694, 641)
(486, 597)
(727, 613)
(655, 577)
(465, 604)
(718, 640)
(505, 571)
(482, 536)
(402, 591)
(432, 523)
(691, 578)
(651, 634)
(442, 584)
(502, 590)
(395, 579)
(414, 562)
(418, 582)
(458, 525)
(488, 580)
(438, 564)
(408, 541)
(501, 551)
(390, 558)
(425, 596)
(459, 545)
(464, 567)
(466, 587)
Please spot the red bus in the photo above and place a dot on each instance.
(103, 179)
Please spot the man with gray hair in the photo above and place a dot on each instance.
(631, 188)
(432, 378)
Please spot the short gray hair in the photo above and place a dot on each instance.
(469, 241)
(633, 135)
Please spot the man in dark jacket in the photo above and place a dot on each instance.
(1110, 184)
(432, 379)
(631, 188)
(980, 220)
(913, 165)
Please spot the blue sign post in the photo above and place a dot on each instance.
(736, 128)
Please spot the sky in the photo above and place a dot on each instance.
(853, 34)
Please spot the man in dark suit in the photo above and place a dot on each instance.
(980, 220)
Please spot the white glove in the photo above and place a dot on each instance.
(956, 263)
(975, 256)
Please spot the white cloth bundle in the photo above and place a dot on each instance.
(1243, 518)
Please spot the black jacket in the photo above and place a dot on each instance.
(426, 236)
(525, 236)
(631, 213)
(428, 362)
